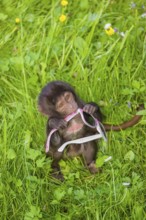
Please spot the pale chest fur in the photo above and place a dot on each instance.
(75, 129)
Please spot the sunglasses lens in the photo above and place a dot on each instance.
(89, 119)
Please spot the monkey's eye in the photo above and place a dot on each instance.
(59, 104)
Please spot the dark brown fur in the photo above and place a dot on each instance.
(57, 100)
(134, 120)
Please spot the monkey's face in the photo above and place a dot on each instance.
(66, 104)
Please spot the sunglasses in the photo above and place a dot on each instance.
(92, 123)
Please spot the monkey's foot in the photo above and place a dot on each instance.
(58, 176)
(93, 169)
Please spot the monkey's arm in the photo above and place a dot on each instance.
(56, 123)
(93, 109)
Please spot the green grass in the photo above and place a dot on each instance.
(109, 70)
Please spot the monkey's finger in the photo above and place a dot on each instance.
(62, 124)
(89, 109)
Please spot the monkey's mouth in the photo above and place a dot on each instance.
(98, 125)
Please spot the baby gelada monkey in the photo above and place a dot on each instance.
(58, 100)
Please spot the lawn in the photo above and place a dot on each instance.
(45, 40)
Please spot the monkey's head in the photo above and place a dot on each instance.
(58, 98)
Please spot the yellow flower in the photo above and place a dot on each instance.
(64, 3)
(109, 30)
(17, 20)
(62, 18)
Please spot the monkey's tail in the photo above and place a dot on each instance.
(126, 124)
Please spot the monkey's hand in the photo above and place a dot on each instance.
(57, 123)
(90, 109)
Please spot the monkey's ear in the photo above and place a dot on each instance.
(40, 109)
(43, 105)
(68, 96)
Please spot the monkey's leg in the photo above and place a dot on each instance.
(56, 171)
(56, 139)
(89, 155)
